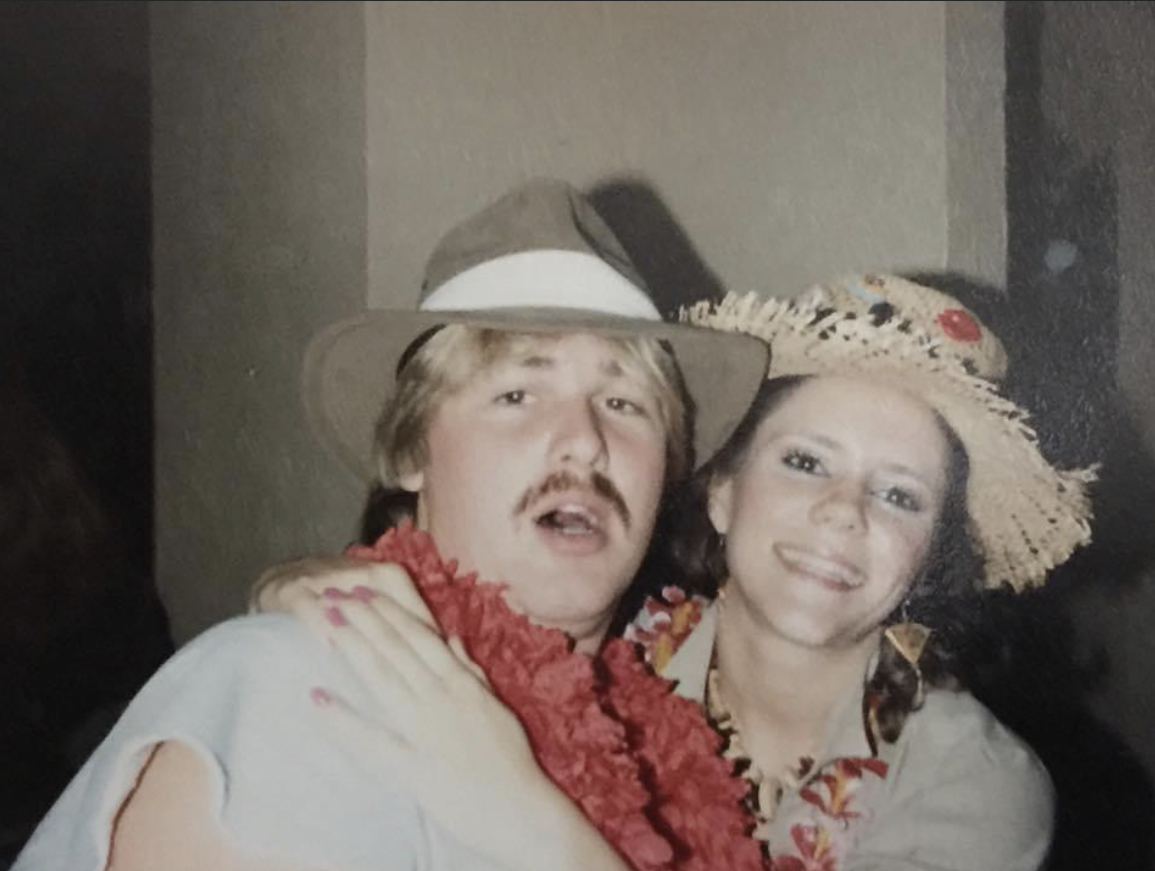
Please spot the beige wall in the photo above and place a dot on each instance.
(308, 156)
(788, 139)
(259, 221)
(976, 193)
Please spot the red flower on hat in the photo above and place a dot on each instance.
(642, 763)
(959, 325)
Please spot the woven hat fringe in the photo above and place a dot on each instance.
(1027, 516)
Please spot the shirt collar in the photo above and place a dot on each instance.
(844, 734)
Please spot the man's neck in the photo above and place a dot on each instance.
(587, 639)
(587, 636)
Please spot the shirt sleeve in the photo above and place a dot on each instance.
(967, 795)
(238, 696)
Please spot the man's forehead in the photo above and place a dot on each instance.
(551, 351)
(544, 361)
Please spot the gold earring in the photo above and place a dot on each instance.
(909, 639)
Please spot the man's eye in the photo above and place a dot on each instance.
(803, 461)
(511, 397)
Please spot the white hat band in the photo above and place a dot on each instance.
(543, 279)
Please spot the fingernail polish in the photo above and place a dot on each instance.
(334, 593)
(320, 696)
(363, 594)
(335, 617)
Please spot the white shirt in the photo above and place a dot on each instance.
(238, 696)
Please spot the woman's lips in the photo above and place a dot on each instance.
(831, 571)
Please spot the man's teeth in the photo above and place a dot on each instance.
(569, 521)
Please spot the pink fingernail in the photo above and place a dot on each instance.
(320, 696)
(333, 615)
(363, 594)
(334, 593)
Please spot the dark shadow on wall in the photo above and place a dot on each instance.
(75, 236)
(677, 276)
(660, 248)
(1028, 661)
(82, 627)
(1059, 320)
(1064, 283)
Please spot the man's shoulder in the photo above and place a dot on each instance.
(238, 664)
(276, 636)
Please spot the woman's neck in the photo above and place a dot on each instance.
(781, 692)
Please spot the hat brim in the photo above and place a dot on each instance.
(350, 369)
(1027, 515)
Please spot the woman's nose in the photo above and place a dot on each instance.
(843, 506)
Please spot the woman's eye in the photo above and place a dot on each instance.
(802, 461)
(511, 397)
(902, 498)
(626, 406)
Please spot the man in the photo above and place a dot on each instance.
(536, 417)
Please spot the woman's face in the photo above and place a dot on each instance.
(830, 515)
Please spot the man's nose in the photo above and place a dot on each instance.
(579, 436)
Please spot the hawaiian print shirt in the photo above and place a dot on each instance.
(956, 792)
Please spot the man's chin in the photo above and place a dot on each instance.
(577, 616)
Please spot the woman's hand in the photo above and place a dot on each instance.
(447, 740)
(295, 586)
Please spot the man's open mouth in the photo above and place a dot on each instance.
(570, 520)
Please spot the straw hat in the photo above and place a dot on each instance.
(539, 259)
(1026, 515)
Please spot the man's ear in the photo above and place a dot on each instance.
(412, 481)
(720, 503)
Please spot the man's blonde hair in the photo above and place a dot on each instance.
(455, 354)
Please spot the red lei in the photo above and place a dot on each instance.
(641, 762)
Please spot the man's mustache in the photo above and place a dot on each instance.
(597, 483)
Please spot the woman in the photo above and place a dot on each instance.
(878, 485)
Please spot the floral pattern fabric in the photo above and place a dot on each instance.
(958, 791)
(821, 799)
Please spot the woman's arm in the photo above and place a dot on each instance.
(456, 748)
(450, 742)
(287, 585)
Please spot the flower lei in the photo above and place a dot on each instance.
(642, 763)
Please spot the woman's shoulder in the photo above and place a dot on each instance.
(953, 724)
(954, 745)
(963, 792)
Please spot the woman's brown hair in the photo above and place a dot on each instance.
(687, 550)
